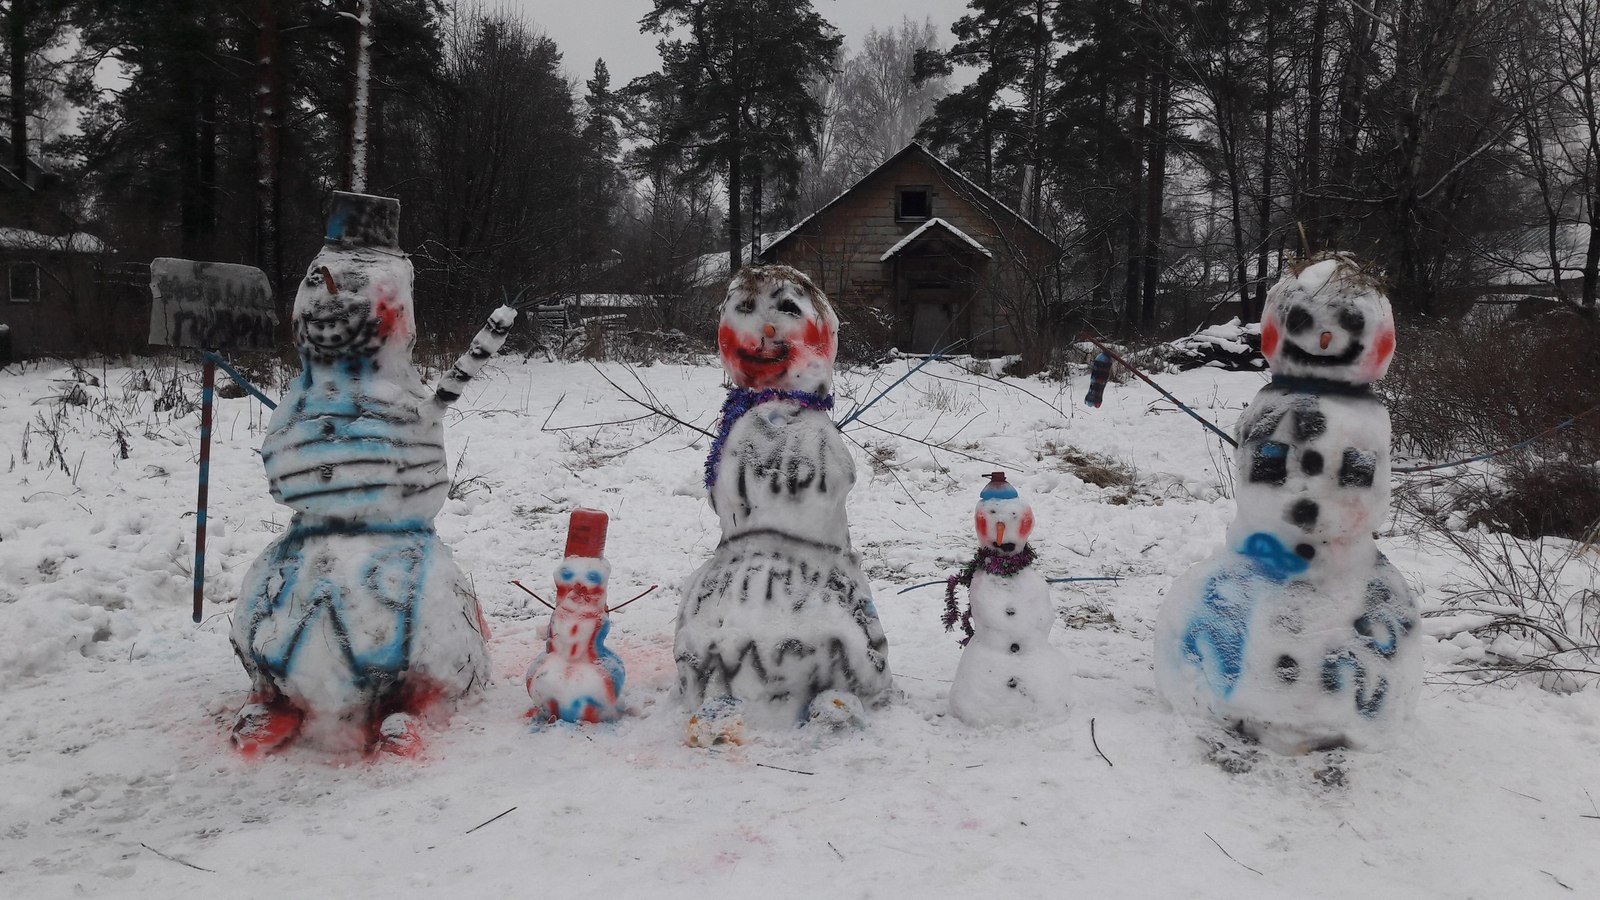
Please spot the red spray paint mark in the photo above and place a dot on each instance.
(1025, 527)
(1269, 338)
(391, 319)
(1382, 349)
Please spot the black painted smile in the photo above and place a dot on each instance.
(1296, 353)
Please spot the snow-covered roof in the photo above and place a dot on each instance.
(921, 229)
(939, 165)
(77, 242)
(1522, 259)
(709, 268)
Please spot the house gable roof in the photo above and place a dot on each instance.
(955, 178)
(922, 229)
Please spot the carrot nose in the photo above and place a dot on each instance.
(999, 532)
(770, 330)
(1327, 338)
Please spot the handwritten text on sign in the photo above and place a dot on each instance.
(211, 306)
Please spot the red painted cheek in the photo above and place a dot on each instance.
(818, 336)
(983, 526)
(1382, 349)
(1025, 527)
(1269, 338)
(391, 320)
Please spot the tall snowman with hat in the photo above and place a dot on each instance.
(1299, 633)
(356, 623)
(576, 679)
(1009, 673)
(779, 626)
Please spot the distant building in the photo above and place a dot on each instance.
(62, 291)
(924, 256)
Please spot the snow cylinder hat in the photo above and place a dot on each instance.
(586, 533)
(1003, 520)
(363, 220)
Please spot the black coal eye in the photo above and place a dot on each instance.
(747, 305)
(1298, 320)
(790, 307)
(1352, 320)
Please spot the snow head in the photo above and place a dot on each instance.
(581, 578)
(1004, 520)
(778, 331)
(1328, 319)
(355, 301)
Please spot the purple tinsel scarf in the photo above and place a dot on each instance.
(993, 563)
(742, 400)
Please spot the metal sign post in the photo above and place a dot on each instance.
(206, 307)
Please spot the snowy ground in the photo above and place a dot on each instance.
(118, 780)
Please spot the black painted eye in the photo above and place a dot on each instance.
(747, 305)
(790, 307)
(1352, 320)
(1298, 320)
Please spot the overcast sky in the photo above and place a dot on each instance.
(587, 30)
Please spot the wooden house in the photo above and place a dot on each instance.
(62, 292)
(923, 259)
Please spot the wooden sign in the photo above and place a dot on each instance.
(211, 306)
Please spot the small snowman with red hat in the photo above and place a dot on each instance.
(1009, 673)
(576, 679)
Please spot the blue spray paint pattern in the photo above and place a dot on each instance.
(1215, 639)
(393, 575)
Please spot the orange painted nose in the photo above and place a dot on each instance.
(1327, 338)
(771, 330)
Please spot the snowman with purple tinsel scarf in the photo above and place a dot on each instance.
(1009, 672)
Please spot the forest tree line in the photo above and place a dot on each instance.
(1179, 152)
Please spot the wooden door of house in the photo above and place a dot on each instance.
(935, 305)
(935, 293)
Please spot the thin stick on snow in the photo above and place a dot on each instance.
(533, 595)
(655, 409)
(1557, 880)
(885, 464)
(1227, 854)
(171, 858)
(782, 769)
(1096, 743)
(639, 596)
(835, 851)
(481, 824)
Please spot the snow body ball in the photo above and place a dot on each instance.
(576, 679)
(782, 613)
(1009, 673)
(1300, 633)
(356, 620)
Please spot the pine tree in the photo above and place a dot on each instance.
(741, 70)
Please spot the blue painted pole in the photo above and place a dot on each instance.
(208, 381)
(1050, 580)
(240, 380)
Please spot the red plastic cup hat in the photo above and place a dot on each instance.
(586, 533)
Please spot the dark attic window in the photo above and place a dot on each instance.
(913, 204)
(24, 283)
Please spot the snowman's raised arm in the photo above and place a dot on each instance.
(485, 344)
